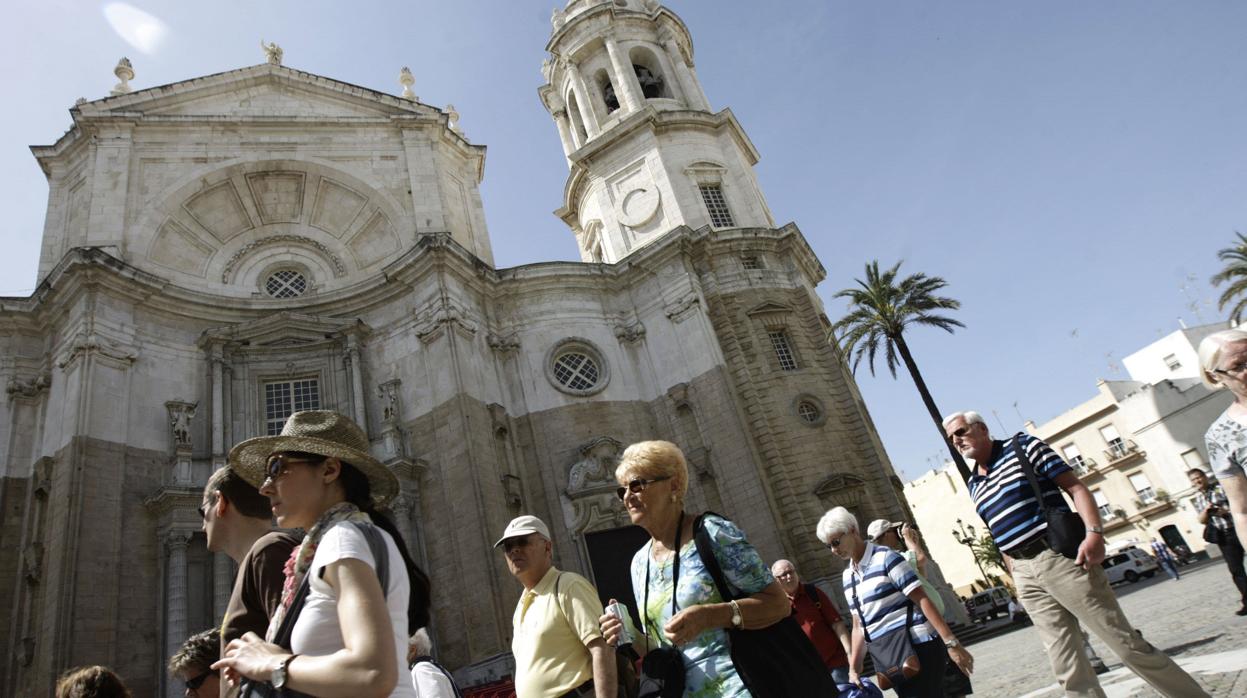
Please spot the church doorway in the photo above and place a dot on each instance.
(610, 556)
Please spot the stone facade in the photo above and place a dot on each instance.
(222, 250)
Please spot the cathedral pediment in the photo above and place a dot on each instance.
(261, 91)
(284, 329)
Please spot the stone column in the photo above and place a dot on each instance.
(222, 583)
(626, 84)
(176, 542)
(218, 406)
(355, 364)
(565, 133)
(587, 115)
(693, 96)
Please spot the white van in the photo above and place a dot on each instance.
(1129, 565)
(987, 604)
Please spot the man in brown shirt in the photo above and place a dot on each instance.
(238, 522)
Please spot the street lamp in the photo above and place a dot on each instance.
(965, 535)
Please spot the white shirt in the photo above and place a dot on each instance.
(430, 682)
(317, 631)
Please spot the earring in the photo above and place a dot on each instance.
(673, 497)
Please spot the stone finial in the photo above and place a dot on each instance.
(406, 79)
(272, 52)
(452, 118)
(125, 73)
(80, 101)
(650, 5)
(558, 18)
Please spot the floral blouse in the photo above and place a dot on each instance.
(1227, 446)
(709, 672)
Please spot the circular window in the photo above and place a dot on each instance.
(576, 367)
(285, 283)
(810, 410)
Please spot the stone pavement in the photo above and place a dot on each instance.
(1191, 619)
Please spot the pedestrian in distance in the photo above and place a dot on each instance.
(819, 619)
(353, 591)
(1164, 558)
(192, 664)
(1057, 592)
(431, 680)
(886, 597)
(558, 645)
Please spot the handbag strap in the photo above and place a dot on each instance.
(1027, 469)
(675, 580)
(705, 550)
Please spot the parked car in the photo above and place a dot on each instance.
(988, 604)
(1129, 565)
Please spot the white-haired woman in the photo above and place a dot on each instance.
(653, 478)
(881, 587)
(1223, 364)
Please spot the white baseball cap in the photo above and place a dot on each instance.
(524, 525)
(879, 526)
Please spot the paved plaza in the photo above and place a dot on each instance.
(1192, 619)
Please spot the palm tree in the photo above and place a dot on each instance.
(879, 313)
(1235, 272)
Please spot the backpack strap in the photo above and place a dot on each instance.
(812, 594)
(380, 552)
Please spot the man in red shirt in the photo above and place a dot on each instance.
(818, 618)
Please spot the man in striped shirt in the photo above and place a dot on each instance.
(1056, 591)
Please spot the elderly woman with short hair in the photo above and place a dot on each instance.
(880, 587)
(1223, 364)
(653, 478)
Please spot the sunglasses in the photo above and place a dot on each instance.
(835, 542)
(194, 683)
(962, 431)
(279, 464)
(636, 486)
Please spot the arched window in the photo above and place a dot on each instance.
(578, 124)
(609, 98)
(649, 74)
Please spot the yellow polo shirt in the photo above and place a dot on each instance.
(549, 643)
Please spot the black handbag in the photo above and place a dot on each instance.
(1215, 535)
(893, 654)
(662, 669)
(264, 689)
(777, 661)
(1066, 530)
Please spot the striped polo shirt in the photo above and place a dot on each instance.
(884, 580)
(1004, 498)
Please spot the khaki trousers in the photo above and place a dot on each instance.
(1059, 595)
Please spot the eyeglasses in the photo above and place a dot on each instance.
(1233, 371)
(206, 506)
(637, 485)
(782, 575)
(835, 542)
(962, 431)
(279, 464)
(194, 683)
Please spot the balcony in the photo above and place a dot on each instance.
(1083, 467)
(1121, 452)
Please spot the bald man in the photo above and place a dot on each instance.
(819, 619)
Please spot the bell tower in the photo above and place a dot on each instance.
(645, 151)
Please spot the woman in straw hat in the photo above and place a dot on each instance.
(349, 634)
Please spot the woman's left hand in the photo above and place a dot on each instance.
(691, 622)
(962, 659)
(250, 657)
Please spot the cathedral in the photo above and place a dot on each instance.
(222, 251)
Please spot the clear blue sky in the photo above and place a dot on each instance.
(1070, 168)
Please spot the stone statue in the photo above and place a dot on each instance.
(406, 79)
(272, 51)
(125, 73)
(180, 416)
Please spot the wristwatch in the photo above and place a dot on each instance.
(1096, 529)
(737, 619)
(281, 674)
(952, 643)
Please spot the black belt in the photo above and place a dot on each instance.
(584, 689)
(1030, 550)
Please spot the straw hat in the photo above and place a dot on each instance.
(325, 433)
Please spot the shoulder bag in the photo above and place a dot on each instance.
(376, 543)
(893, 654)
(777, 661)
(1066, 529)
(662, 669)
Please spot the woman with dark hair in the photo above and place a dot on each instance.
(91, 682)
(347, 608)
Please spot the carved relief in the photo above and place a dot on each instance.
(591, 503)
(503, 343)
(339, 269)
(679, 310)
(180, 416)
(433, 318)
(28, 387)
(628, 328)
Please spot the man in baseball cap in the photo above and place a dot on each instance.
(558, 646)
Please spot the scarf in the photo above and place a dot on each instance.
(301, 557)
